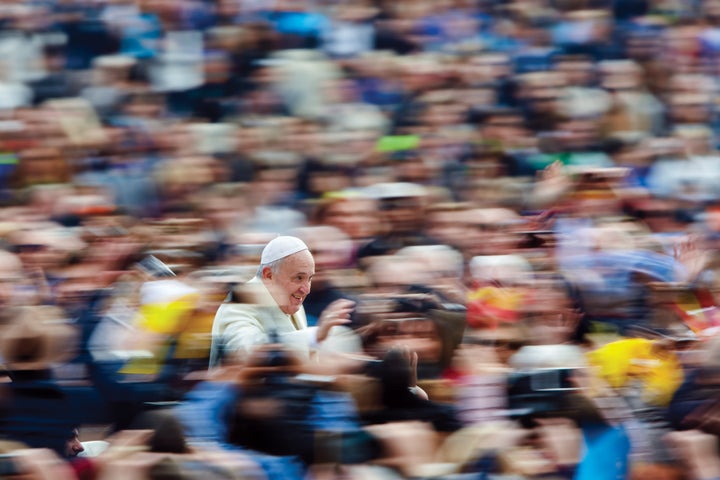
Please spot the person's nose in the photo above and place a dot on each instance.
(78, 447)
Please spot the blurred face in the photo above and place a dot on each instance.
(404, 214)
(35, 255)
(576, 72)
(356, 217)
(73, 447)
(321, 182)
(331, 250)
(503, 129)
(447, 226)
(11, 274)
(487, 69)
(689, 108)
(419, 335)
(552, 319)
(290, 283)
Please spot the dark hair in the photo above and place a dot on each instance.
(166, 469)
(168, 434)
(394, 375)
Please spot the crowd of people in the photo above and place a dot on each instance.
(498, 227)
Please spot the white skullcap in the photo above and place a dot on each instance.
(281, 247)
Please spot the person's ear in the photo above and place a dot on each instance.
(267, 273)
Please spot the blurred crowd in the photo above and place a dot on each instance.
(521, 197)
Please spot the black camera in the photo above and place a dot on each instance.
(540, 393)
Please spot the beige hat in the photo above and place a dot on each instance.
(281, 247)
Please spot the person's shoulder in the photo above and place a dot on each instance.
(250, 299)
(249, 292)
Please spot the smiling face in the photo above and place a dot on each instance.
(289, 283)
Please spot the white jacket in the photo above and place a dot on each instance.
(240, 326)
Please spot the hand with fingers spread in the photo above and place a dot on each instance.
(551, 184)
(689, 253)
(335, 314)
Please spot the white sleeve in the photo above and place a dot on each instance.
(311, 333)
